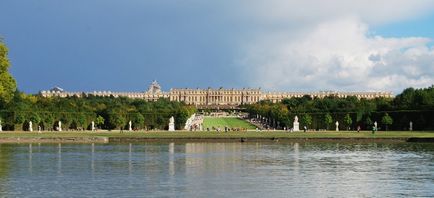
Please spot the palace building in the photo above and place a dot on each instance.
(213, 98)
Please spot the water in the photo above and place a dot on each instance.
(217, 170)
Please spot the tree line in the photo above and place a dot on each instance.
(77, 113)
(412, 105)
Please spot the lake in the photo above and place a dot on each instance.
(305, 169)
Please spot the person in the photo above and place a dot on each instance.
(305, 128)
(374, 129)
(358, 128)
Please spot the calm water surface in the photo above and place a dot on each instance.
(217, 170)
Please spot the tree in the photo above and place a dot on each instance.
(386, 120)
(66, 120)
(368, 122)
(138, 120)
(406, 98)
(35, 118)
(99, 121)
(8, 84)
(348, 121)
(306, 120)
(82, 121)
(328, 120)
(48, 120)
(116, 119)
(19, 120)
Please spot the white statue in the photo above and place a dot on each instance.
(39, 129)
(1, 127)
(189, 122)
(172, 124)
(60, 126)
(93, 126)
(337, 126)
(130, 126)
(411, 126)
(375, 125)
(296, 124)
(30, 126)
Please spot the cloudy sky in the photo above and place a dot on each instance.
(287, 45)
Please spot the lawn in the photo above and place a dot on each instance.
(231, 122)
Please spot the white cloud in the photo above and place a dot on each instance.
(334, 49)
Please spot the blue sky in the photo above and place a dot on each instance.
(276, 45)
(418, 26)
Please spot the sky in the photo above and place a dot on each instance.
(276, 45)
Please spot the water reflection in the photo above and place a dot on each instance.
(92, 161)
(59, 159)
(130, 163)
(30, 159)
(172, 159)
(217, 169)
(296, 157)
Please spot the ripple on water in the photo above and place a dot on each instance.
(217, 170)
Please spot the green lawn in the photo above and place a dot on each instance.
(231, 122)
(216, 135)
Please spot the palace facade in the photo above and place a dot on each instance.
(209, 98)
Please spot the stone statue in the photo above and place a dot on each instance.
(60, 126)
(39, 129)
(337, 126)
(93, 126)
(411, 126)
(130, 126)
(296, 125)
(172, 124)
(375, 125)
(30, 126)
(1, 127)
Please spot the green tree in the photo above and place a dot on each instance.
(48, 120)
(82, 121)
(306, 120)
(138, 120)
(35, 118)
(116, 119)
(99, 121)
(387, 120)
(180, 118)
(8, 84)
(19, 120)
(66, 120)
(348, 121)
(328, 120)
(368, 122)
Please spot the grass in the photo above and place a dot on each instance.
(216, 135)
(231, 122)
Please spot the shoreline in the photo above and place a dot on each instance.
(12, 140)
(106, 140)
(185, 136)
(270, 140)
